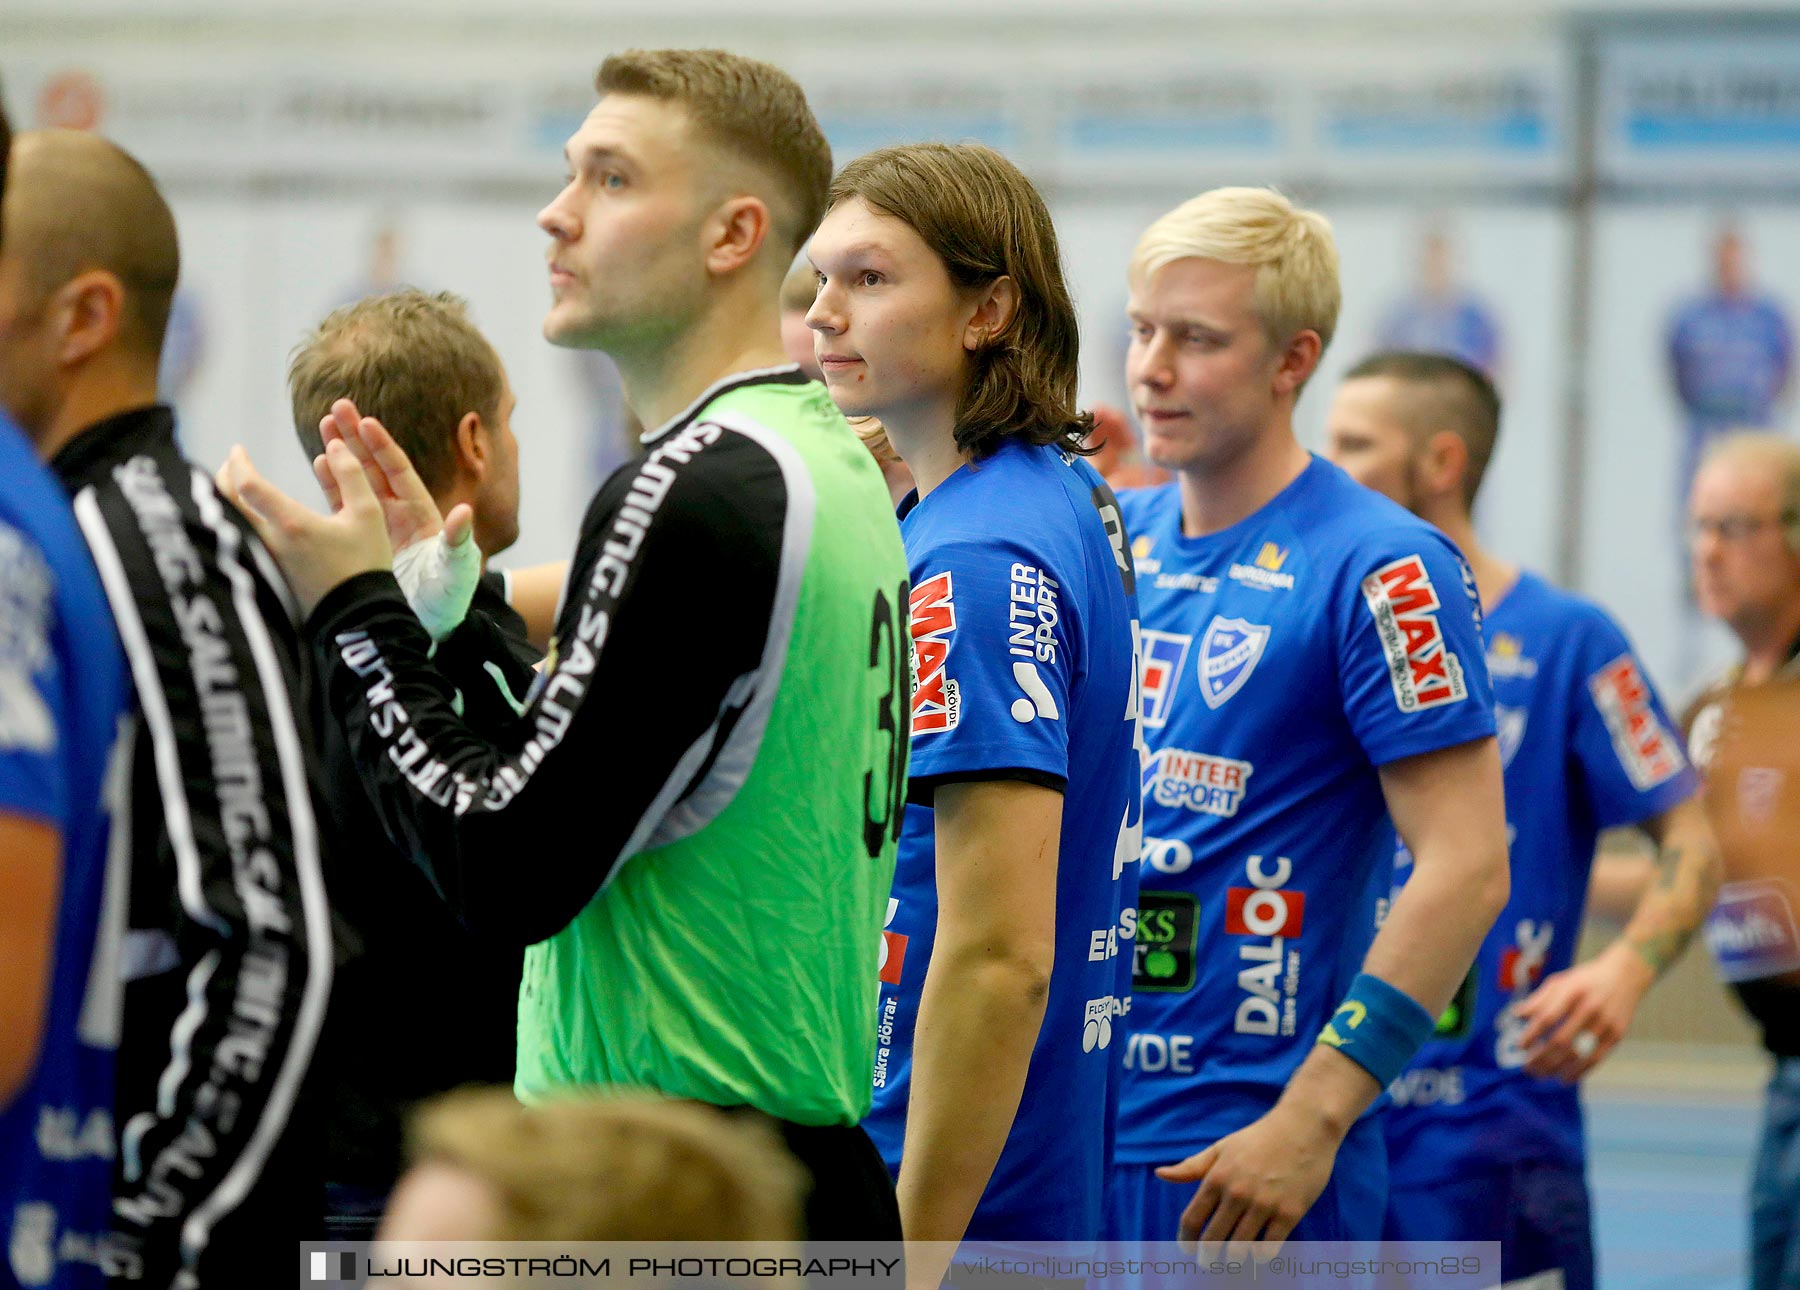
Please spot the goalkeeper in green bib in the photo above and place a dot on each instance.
(692, 822)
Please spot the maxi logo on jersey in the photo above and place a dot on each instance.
(1271, 916)
(1229, 652)
(936, 705)
(1165, 653)
(1645, 749)
(1421, 668)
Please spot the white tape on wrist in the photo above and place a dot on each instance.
(438, 581)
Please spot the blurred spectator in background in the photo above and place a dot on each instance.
(1731, 354)
(594, 1169)
(1120, 460)
(1440, 315)
(1744, 525)
(385, 266)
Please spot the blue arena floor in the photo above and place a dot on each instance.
(1670, 1178)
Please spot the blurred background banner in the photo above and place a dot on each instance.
(1679, 108)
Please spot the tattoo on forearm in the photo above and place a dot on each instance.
(1673, 910)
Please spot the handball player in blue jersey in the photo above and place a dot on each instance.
(941, 310)
(62, 696)
(1312, 667)
(1485, 1135)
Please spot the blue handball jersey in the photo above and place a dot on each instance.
(62, 694)
(1285, 659)
(1023, 623)
(1587, 746)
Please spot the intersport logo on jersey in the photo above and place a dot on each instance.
(936, 704)
(1199, 781)
(1645, 748)
(1421, 667)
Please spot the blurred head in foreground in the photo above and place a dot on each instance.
(486, 1168)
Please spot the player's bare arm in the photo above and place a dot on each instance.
(30, 861)
(1577, 1017)
(534, 594)
(1625, 863)
(984, 996)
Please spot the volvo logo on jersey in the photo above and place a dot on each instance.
(1229, 652)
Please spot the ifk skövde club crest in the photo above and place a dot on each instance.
(1229, 652)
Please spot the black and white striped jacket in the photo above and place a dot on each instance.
(229, 953)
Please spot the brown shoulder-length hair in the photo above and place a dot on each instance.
(982, 217)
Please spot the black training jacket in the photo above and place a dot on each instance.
(229, 953)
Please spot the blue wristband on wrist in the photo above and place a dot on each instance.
(1378, 1027)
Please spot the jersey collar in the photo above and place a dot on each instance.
(786, 374)
(114, 437)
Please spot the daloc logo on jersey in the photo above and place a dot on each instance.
(1164, 655)
(936, 704)
(1229, 652)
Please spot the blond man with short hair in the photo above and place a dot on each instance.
(702, 892)
(1312, 666)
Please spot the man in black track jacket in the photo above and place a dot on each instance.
(228, 953)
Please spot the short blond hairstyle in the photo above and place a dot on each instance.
(623, 1167)
(1290, 248)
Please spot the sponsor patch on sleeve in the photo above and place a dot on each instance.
(1033, 615)
(1647, 750)
(1422, 669)
(936, 705)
